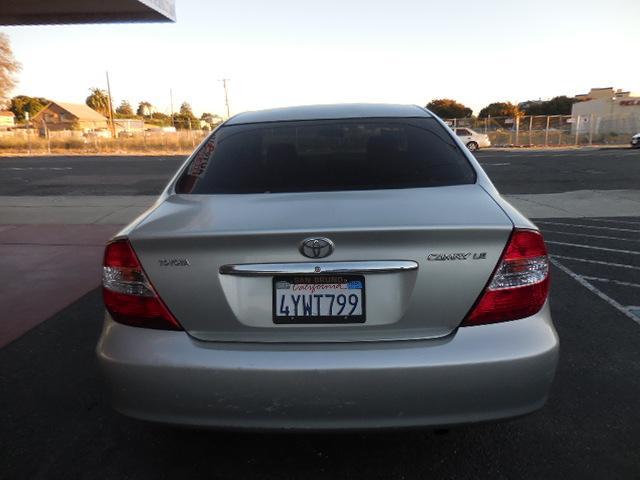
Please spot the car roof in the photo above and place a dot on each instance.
(329, 112)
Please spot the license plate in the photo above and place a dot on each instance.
(310, 299)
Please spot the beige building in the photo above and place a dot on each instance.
(605, 111)
(69, 116)
(7, 120)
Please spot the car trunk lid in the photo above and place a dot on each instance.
(197, 250)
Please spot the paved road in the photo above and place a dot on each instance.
(514, 172)
(55, 421)
(77, 175)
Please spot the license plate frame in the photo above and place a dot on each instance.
(318, 319)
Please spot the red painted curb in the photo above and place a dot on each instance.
(44, 268)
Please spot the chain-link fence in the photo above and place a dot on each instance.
(535, 130)
(552, 130)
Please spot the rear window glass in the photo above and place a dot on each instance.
(326, 155)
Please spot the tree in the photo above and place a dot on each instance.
(185, 109)
(99, 101)
(448, 108)
(185, 118)
(145, 109)
(125, 109)
(22, 103)
(158, 118)
(560, 105)
(211, 119)
(500, 109)
(9, 67)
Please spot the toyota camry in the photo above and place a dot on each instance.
(328, 267)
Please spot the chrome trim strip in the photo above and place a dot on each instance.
(270, 269)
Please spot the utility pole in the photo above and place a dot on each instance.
(113, 126)
(226, 95)
(171, 100)
(26, 117)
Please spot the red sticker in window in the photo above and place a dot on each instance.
(200, 162)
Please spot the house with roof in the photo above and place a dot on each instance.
(7, 120)
(69, 116)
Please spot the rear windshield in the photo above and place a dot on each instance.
(326, 155)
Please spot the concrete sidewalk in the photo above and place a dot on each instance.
(580, 203)
(72, 209)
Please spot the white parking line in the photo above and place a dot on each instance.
(597, 262)
(614, 221)
(605, 249)
(610, 280)
(587, 226)
(604, 237)
(581, 280)
(37, 168)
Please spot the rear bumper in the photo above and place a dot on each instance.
(477, 374)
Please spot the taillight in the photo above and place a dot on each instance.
(128, 295)
(520, 284)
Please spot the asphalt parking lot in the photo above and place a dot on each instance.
(56, 421)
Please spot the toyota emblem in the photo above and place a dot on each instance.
(316, 247)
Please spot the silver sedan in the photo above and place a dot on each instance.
(328, 267)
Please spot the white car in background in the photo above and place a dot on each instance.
(99, 133)
(472, 139)
(635, 141)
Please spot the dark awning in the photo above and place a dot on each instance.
(41, 12)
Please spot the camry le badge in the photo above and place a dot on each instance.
(444, 257)
(316, 247)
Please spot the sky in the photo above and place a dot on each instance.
(290, 52)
